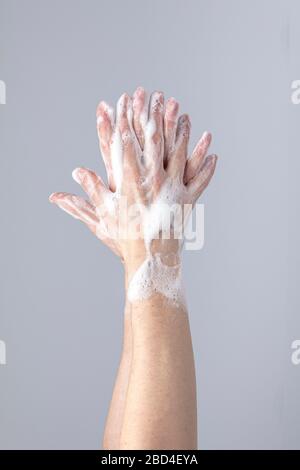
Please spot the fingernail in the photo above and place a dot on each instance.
(157, 100)
(121, 104)
(212, 159)
(139, 91)
(184, 119)
(51, 197)
(206, 135)
(172, 102)
(104, 109)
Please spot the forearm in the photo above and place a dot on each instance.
(160, 410)
(145, 150)
(114, 421)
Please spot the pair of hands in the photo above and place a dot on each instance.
(144, 146)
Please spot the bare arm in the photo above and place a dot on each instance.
(160, 410)
(145, 152)
(115, 417)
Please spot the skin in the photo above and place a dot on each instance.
(154, 399)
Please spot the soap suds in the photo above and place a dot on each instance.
(116, 150)
(160, 215)
(158, 218)
(152, 277)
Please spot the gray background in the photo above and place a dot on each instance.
(230, 64)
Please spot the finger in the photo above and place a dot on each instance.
(194, 164)
(170, 126)
(130, 145)
(116, 148)
(200, 181)
(105, 127)
(140, 114)
(154, 139)
(80, 209)
(112, 244)
(92, 184)
(76, 206)
(178, 157)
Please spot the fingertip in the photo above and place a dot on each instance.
(104, 112)
(184, 118)
(157, 101)
(122, 105)
(52, 197)
(207, 136)
(129, 110)
(76, 175)
(172, 103)
(138, 100)
(184, 125)
(139, 92)
(100, 107)
(123, 98)
(211, 160)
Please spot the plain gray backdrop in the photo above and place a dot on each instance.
(230, 64)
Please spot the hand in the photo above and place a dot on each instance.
(145, 154)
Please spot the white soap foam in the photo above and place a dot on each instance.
(153, 277)
(157, 217)
(116, 151)
(149, 131)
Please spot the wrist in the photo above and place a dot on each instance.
(135, 252)
(156, 276)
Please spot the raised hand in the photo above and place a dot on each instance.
(145, 150)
